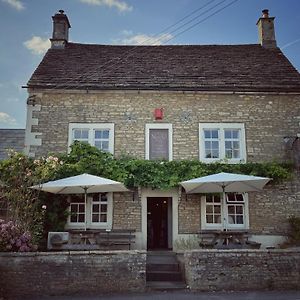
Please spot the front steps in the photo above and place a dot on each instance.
(163, 272)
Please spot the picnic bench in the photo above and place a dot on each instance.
(230, 239)
(101, 239)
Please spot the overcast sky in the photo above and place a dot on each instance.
(26, 26)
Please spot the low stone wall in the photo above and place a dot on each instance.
(208, 270)
(67, 273)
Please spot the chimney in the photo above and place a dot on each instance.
(60, 35)
(266, 30)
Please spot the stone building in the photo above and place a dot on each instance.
(214, 102)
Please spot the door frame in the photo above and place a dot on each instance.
(173, 194)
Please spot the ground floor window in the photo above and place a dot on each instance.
(95, 213)
(235, 211)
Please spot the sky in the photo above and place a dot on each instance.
(26, 26)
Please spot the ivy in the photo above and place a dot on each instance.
(84, 158)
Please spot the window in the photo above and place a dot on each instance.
(222, 141)
(213, 209)
(96, 213)
(158, 141)
(98, 135)
(99, 208)
(235, 210)
(77, 210)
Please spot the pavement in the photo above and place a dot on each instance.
(186, 295)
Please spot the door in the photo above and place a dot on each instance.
(159, 222)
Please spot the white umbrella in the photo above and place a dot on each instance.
(81, 184)
(225, 183)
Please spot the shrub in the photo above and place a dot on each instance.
(13, 238)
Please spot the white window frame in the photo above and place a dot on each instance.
(216, 226)
(221, 127)
(147, 138)
(92, 127)
(88, 216)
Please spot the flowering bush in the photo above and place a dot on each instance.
(25, 205)
(13, 238)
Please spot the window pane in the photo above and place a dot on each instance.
(215, 154)
(230, 197)
(208, 154)
(103, 208)
(217, 198)
(95, 218)
(231, 209)
(104, 145)
(103, 197)
(240, 220)
(217, 209)
(98, 134)
(96, 208)
(236, 154)
(207, 145)
(239, 209)
(239, 197)
(103, 218)
(228, 154)
(81, 207)
(105, 134)
(235, 134)
(231, 219)
(228, 145)
(214, 134)
(228, 134)
(209, 209)
(209, 198)
(215, 145)
(81, 218)
(74, 208)
(209, 219)
(217, 219)
(73, 218)
(207, 134)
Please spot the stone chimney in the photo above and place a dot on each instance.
(61, 27)
(266, 30)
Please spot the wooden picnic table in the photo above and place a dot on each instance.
(225, 239)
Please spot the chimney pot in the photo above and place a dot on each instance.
(265, 13)
(61, 11)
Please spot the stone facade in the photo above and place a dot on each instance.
(267, 118)
(64, 273)
(213, 270)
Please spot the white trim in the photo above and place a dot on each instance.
(205, 226)
(92, 127)
(173, 193)
(221, 127)
(88, 216)
(159, 126)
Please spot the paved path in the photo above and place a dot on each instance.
(288, 295)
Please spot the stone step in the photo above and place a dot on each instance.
(166, 285)
(163, 276)
(161, 260)
(162, 267)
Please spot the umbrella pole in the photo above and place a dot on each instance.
(85, 203)
(224, 209)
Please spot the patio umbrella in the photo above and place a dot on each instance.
(81, 184)
(225, 183)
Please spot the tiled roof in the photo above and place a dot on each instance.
(215, 68)
(11, 139)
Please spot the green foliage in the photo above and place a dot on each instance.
(17, 174)
(84, 158)
(294, 234)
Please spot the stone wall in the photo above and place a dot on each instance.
(267, 118)
(64, 273)
(126, 211)
(212, 270)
